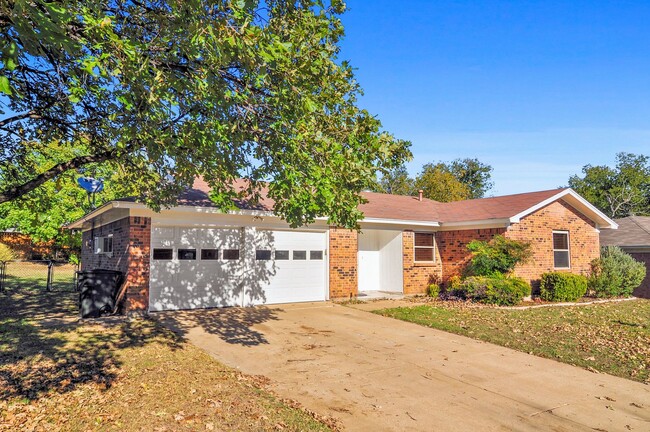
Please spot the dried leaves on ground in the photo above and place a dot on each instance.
(611, 337)
(57, 373)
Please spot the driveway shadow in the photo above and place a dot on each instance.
(234, 325)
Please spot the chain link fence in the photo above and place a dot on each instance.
(38, 275)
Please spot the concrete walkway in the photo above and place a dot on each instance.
(376, 373)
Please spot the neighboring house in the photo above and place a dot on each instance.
(194, 256)
(633, 236)
(25, 248)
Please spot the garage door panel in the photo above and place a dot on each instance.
(292, 280)
(203, 283)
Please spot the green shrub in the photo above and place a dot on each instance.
(615, 273)
(6, 253)
(498, 290)
(498, 256)
(433, 290)
(557, 286)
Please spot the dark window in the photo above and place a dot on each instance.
(282, 255)
(299, 255)
(315, 255)
(231, 254)
(561, 250)
(162, 254)
(262, 255)
(209, 254)
(108, 245)
(187, 254)
(424, 247)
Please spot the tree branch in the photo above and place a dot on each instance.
(77, 162)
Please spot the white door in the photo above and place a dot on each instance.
(368, 259)
(195, 268)
(214, 267)
(287, 267)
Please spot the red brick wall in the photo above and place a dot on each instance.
(118, 261)
(644, 289)
(418, 276)
(537, 228)
(453, 248)
(131, 243)
(137, 294)
(343, 274)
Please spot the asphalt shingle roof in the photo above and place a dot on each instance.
(632, 231)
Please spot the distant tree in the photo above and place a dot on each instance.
(620, 191)
(473, 173)
(397, 182)
(438, 183)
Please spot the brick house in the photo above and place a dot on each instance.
(633, 236)
(195, 256)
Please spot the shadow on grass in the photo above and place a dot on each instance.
(234, 325)
(45, 348)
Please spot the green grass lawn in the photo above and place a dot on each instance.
(57, 373)
(610, 337)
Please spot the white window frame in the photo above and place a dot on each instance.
(568, 250)
(99, 245)
(425, 247)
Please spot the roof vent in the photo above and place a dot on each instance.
(420, 192)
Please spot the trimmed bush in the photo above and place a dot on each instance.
(498, 290)
(557, 286)
(498, 256)
(615, 273)
(433, 290)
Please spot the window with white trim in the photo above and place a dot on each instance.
(424, 246)
(561, 256)
(104, 245)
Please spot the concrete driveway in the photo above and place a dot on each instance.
(376, 373)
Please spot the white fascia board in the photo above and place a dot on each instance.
(596, 215)
(477, 224)
(399, 222)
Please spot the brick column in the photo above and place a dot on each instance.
(343, 263)
(137, 275)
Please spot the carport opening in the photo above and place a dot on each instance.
(380, 270)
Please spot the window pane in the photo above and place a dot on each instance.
(162, 254)
(231, 254)
(315, 255)
(262, 255)
(209, 254)
(423, 254)
(299, 255)
(561, 259)
(187, 254)
(560, 241)
(423, 239)
(282, 255)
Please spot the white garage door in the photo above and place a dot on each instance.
(214, 267)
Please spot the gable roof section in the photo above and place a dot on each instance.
(483, 209)
(632, 231)
(501, 210)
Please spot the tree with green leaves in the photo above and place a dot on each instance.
(439, 184)
(620, 191)
(167, 90)
(397, 182)
(474, 174)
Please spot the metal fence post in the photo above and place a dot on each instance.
(3, 272)
(50, 273)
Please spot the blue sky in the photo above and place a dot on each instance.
(535, 89)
